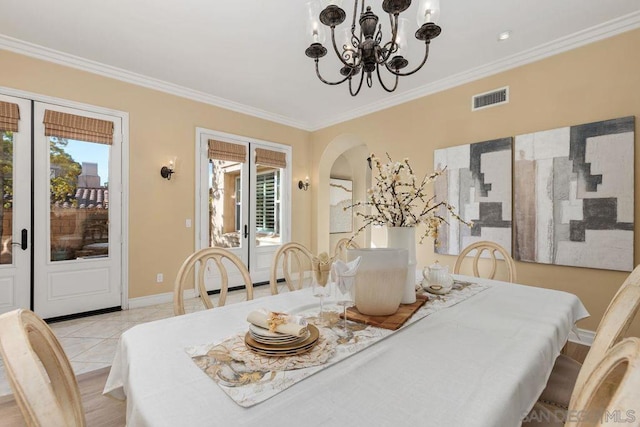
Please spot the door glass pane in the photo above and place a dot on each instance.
(6, 207)
(268, 191)
(79, 189)
(225, 184)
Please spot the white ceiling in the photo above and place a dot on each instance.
(249, 55)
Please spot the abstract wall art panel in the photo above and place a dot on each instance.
(340, 197)
(477, 181)
(574, 196)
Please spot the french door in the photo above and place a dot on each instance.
(15, 209)
(63, 203)
(243, 200)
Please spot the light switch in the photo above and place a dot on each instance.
(187, 223)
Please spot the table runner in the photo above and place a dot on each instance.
(249, 379)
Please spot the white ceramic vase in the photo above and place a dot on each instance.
(379, 284)
(405, 238)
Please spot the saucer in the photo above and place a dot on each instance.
(435, 289)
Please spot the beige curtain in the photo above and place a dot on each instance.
(70, 126)
(219, 150)
(275, 159)
(9, 116)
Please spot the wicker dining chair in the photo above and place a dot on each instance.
(197, 264)
(342, 245)
(41, 377)
(568, 374)
(296, 261)
(491, 248)
(610, 396)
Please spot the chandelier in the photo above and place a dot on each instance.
(362, 50)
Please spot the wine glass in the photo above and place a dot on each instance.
(321, 290)
(344, 295)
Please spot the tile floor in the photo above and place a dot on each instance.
(90, 342)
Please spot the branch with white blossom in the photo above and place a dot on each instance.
(397, 200)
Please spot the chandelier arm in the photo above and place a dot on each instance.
(382, 83)
(424, 60)
(359, 85)
(339, 55)
(392, 44)
(326, 81)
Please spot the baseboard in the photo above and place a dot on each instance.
(582, 336)
(158, 299)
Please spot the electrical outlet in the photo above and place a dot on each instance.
(159, 278)
(187, 223)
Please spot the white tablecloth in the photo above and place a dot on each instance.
(482, 362)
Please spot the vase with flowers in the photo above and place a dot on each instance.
(400, 201)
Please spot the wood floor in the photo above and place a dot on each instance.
(100, 411)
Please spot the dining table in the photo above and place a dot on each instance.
(479, 361)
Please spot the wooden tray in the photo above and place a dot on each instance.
(393, 321)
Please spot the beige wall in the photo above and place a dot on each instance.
(161, 125)
(595, 82)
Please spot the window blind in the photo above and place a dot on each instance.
(9, 117)
(228, 151)
(275, 159)
(63, 125)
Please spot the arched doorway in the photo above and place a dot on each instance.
(351, 152)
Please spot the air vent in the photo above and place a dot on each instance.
(490, 99)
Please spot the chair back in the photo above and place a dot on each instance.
(491, 248)
(614, 324)
(200, 261)
(39, 372)
(340, 251)
(611, 394)
(295, 259)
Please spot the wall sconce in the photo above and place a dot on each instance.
(167, 171)
(304, 185)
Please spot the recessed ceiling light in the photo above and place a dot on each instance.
(504, 36)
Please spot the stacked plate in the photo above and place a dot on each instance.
(267, 343)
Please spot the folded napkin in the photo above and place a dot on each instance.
(321, 268)
(344, 273)
(278, 322)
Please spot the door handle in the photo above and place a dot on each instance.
(23, 240)
(246, 231)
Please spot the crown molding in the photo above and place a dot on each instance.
(61, 58)
(599, 32)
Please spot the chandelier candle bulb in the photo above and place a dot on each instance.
(315, 33)
(428, 11)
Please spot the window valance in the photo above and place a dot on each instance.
(275, 159)
(228, 151)
(9, 117)
(81, 128)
